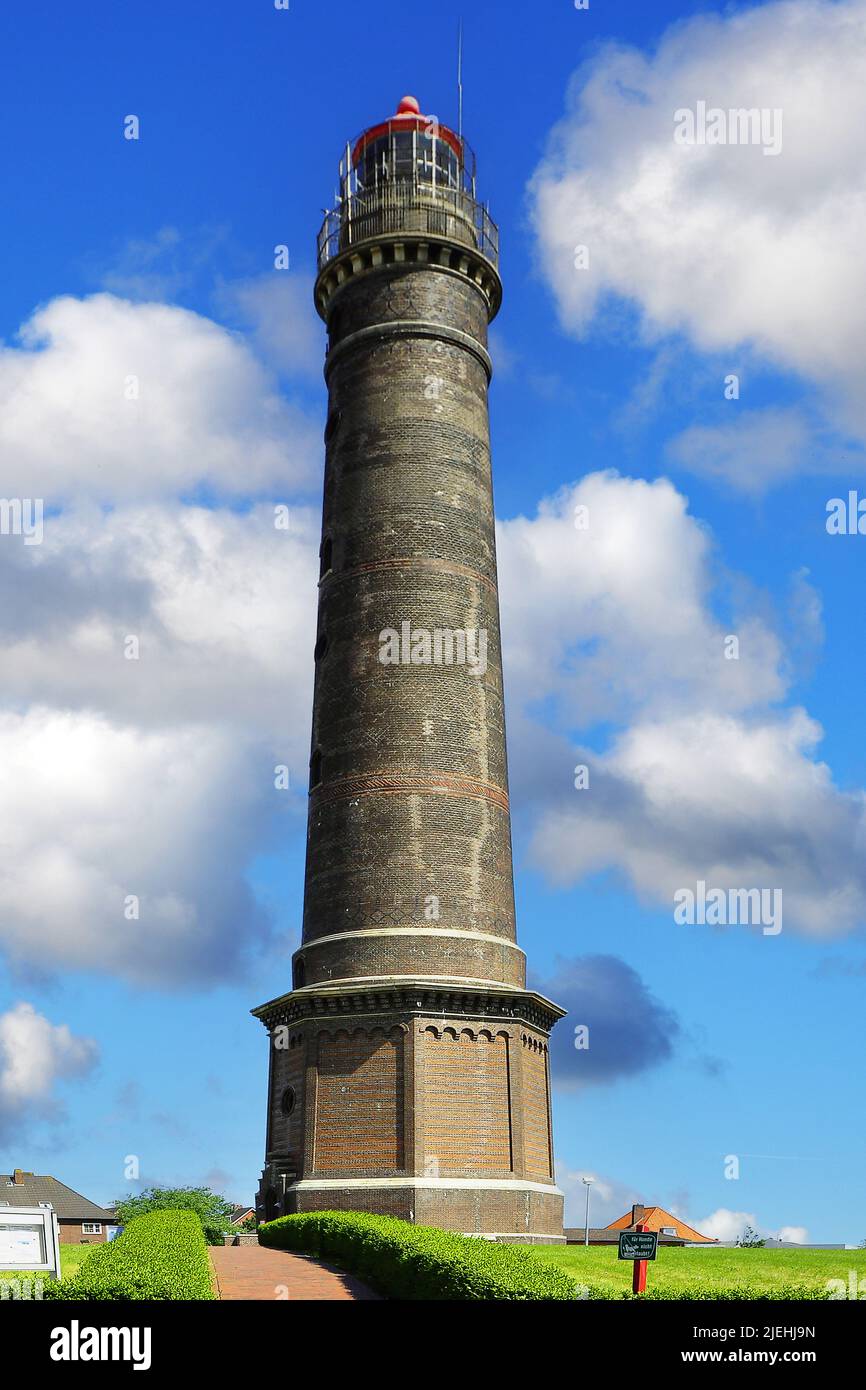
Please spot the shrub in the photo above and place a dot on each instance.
(214, 1211)
(737, 1293)
(159, 1256)
(419, 1262)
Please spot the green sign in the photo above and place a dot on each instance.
(638, 1245)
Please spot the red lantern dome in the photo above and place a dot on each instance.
(409, 118)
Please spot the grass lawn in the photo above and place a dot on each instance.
(70, 1259)
(713, 1270)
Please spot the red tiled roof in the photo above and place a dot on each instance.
(654, 1218)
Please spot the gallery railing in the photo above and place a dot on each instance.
(416, 208)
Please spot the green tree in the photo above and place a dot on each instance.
(750, 1240)
(213, 1211)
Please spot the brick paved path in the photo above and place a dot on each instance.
(254, 1271)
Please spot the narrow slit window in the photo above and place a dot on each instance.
(315, 768)
(325, 555)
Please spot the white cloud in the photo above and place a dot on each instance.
(93, 813)
(701, 775)
(755, 449)
(734, 802)
(616, 617)
(721, 243)
(223, 606)
(608, 1198)
(725, 1224)
(155, 776)
(276, 309)
(796, 1235)
(162, 266)
(206, 414)
(35, 1055)
(150, 778)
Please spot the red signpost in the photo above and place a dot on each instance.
(638, 1273)
(638, 1245)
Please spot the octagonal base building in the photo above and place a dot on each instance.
(409, 1066)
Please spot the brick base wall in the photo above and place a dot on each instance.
(359, 1102)
(447, 1116)
(520, 1215)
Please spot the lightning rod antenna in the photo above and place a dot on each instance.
(460, 79)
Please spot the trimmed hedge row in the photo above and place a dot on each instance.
(400, 1260)
(707, 1293)
(421, 1262)
(162, 1255)
(737, 1293)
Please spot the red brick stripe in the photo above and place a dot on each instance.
(412, 562)
(403, 783)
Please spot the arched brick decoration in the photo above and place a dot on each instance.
(467, 1102)
(536, 1108)
(359, 1101)
(285, 1132)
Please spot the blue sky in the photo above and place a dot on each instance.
(134, 1038)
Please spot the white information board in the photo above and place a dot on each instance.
(30, 1239)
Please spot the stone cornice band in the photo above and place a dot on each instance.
(421, 930)
(419, 997)
(461, 1184)
(410, 328)
(442, 981)
(431, 252)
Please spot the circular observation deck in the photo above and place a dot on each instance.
(409, 176)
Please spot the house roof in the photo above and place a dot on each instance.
(654, 1218)
(33, 1189)
(596, 1233)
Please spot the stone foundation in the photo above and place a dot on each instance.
(505, 1211)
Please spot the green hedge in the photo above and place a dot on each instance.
(420, 1262)
(162, 1255)
(706, 1293)
(736, 1293)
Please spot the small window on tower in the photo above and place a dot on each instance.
(299, 974)
(333, 424)
(315, 768)
(325, 554)
(287, 1100)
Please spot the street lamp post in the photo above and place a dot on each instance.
(587, 1182)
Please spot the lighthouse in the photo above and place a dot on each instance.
(409, 1070)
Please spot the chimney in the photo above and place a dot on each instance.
(637, 1213)
(18, 1177)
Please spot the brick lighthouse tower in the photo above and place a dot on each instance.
(409, 1063)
